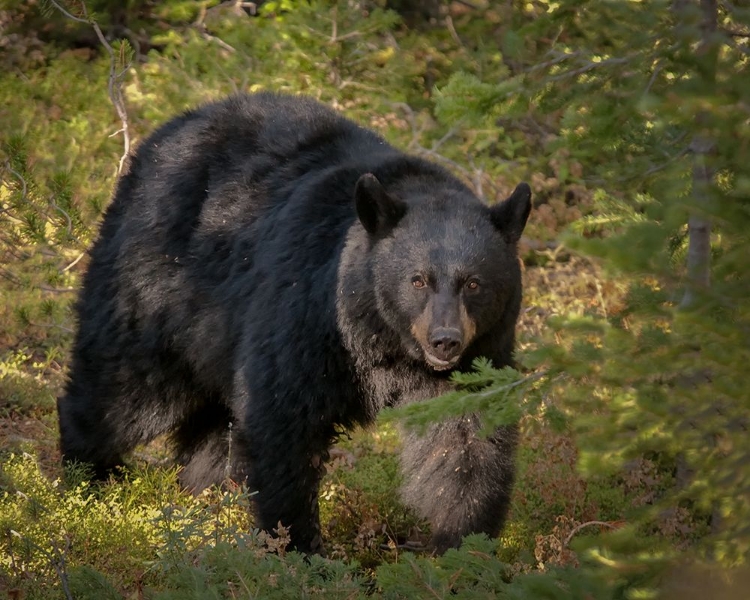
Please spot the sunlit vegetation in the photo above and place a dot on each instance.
(631, 122)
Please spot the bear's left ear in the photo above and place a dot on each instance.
(510, 215)
(378, 211)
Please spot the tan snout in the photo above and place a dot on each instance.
(444, 330)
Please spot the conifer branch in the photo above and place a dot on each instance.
(555, 61)
(507, 387)
(590, 66)
(736, 33)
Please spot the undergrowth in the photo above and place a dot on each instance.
(141, 534)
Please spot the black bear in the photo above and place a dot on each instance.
(268, 263)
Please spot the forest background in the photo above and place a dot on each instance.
(631, 121)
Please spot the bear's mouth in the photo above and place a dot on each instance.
(438, 364)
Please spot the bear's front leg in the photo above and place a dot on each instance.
(285, 468)
(457, 481)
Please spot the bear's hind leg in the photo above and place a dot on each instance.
(115, 401)
(88, 440)
(101, 423)
(206, 443)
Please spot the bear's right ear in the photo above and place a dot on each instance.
(378, 211)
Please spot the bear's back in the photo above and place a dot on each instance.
(213, 171)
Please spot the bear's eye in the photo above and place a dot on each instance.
(472, 284)
(418, 282)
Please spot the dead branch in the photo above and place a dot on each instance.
(578, 528)
(114, 83)
(74, 263)
(47, 288)
(452, 30)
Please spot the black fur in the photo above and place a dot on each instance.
(233, 281)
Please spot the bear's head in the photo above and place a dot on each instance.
(445, 265)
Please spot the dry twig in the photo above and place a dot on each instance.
(114, 83)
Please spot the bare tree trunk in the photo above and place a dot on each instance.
(699, 227)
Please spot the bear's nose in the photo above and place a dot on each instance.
(446, 342)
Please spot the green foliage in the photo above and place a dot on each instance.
(475, 572)
(360, 512)
(632, 403)
(135, 530)
(85, 583)
(227, 570)
(634, 91)
(101, 542)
